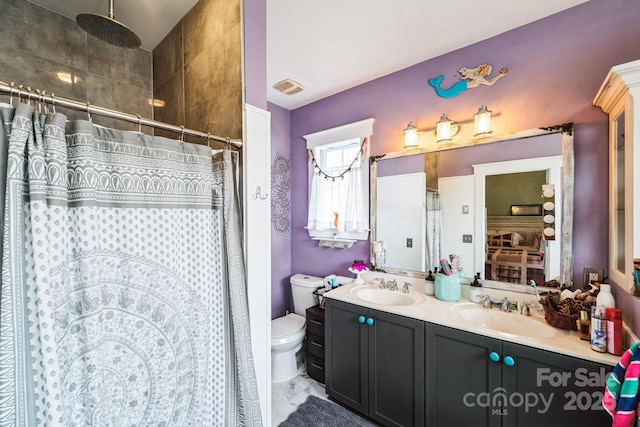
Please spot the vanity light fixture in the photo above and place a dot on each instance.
(482, 122)
(410, 136)
(445, 129)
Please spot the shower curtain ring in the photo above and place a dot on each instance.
(228, 143)
(139, 123)
(89, 112)
(53, 102)
(208, 140)
(29, 95)
(11, 85)
(44, 101)
(39, 99)
(182, 133)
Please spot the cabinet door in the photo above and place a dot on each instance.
(346, 357)
(396, 370)
(549, 389)
(461, 377)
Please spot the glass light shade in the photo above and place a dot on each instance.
(482, 121)
(444, 130)
(410, 136)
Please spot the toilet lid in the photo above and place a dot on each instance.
(286, 325)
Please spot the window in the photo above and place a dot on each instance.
(339, 182)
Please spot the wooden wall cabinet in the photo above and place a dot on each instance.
(619, 96)
(375, 363)
(481, 381)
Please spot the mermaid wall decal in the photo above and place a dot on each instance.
(470, 78)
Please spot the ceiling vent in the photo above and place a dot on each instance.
(288, 87)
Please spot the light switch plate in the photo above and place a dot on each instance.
(466, 238)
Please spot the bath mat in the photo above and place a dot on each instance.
(318, 412)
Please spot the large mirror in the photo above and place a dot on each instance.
(484, 201)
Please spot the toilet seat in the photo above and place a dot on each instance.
(283, 328)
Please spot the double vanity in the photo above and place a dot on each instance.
(408, 359)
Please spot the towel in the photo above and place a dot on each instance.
(620, 398)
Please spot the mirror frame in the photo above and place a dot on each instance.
(566, 241)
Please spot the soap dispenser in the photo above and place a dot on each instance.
(475, 291)
(428, 284)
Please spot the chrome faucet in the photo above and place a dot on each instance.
(405, 288)
(537, 305)
(381, 280)
(486, 301)
(392, 285)
(505, 305)
(524, 310)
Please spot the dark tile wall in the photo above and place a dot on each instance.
(37, 44)
(197, 70)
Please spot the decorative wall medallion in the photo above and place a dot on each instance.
(470, 78)
(281, 195)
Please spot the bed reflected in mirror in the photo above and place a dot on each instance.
(426, 206)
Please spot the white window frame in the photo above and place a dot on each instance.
(357, 130)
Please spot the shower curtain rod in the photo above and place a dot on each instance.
(37, 95)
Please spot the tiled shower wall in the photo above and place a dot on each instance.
(37, 44)
(197, 70)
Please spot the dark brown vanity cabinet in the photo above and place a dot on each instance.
(315, 344)
(476, 380)
(375, 363)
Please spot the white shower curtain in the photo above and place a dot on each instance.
(123, 298)
(434, 230)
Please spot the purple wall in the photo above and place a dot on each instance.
(255, 52)
(556, 66)
(280, 244)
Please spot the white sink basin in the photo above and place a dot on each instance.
(508, 323)
(385, 296)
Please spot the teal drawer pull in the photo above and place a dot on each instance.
(495, 357)
(369, 321)
(361, 319)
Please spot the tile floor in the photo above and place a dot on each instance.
(286, 396)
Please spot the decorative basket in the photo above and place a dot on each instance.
(564, 314)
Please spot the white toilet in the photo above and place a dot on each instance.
(288, 332)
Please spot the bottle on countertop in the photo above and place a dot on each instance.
(598, 329)
(605, 297)
(614, 331)
(428, 284)
(475, 291)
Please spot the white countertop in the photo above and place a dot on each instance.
(444, 313)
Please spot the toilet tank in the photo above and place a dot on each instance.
(302, 287)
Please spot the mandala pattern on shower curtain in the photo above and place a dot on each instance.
(281, 195)
(112, 305)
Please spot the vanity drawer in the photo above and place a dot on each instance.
(315, 368)
(315, 346)
(315, 321)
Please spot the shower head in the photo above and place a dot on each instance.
(107, 29)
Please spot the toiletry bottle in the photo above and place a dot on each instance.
(584, 326)
(475, 291)
(605, 298)
(428, 284)
(598, 329)
(614, 331)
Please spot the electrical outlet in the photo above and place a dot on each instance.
(466, 238)
(409, 242)
(465, 209)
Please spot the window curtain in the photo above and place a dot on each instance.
(342, 195)
(123, 299)
(434, 229)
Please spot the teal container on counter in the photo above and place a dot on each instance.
(448, 287)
